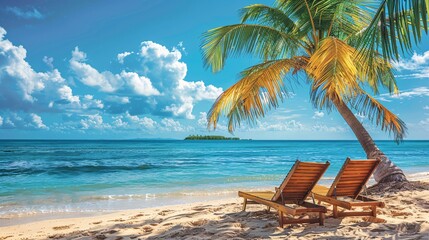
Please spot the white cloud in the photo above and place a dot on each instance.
(37, 120)
(22, 120)
(415, 92)
(122, 56)
(49, 61)
(66, 93)
(158, 87)
(165, 67)
(202, 120)
(418, 64)
(146, 122)
(162, 82)
(24, 89)
(94, 121)
(185, 108)
(360, 116)
(169, 124)
(414, 63)
(291, 125)
(107, 81)
(318, 115)
(117, 99)
(426, 107)
(139, 84)
(26, 14)
(119, 123)
(89, 102)
(324, 128)
(198, 90)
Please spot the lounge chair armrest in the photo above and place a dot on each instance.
(367, 199)
(313, 206)
(333, 201)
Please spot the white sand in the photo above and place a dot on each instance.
(406, 215)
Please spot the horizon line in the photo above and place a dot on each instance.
(166, 139)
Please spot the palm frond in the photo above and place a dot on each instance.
(269, 16)
(304, 15)
(380, 115)
(258, 40)
(259, 90)
(333, 71)
(375, 72)
(396, 26)
(345, 18)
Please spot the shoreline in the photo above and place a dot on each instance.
(107, 205)
(406, 215)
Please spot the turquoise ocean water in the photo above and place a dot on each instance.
(93, 176)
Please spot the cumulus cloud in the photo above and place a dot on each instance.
(24, 89)
(202, 120)
(122, 56)
(89, 102)
(318, 115)
(146, 122)
(414, 63)
(37, 120)
(140, 85)
(119, 122)
(324, 128)
(415, 92)
(169, 124)
(107, 81)
(49, 61)
(94, 121)
(158, 87)
(22, 120)
(118, 99)
(26, 14)
(418, 64)
(291, 125)
(168, 73)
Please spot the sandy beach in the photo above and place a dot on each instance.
(406, 215)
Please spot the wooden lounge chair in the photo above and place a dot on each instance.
(290, 197)
(346, 188)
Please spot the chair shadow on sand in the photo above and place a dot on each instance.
(256, 223)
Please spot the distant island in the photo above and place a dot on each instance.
(207, 137)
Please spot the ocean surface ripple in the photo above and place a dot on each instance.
(67, 176)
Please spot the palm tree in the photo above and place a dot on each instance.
(342, 47)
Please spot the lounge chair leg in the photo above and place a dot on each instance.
(335, 211)
(374, 211)
(321, 219)
(268, 209)
(280, 219)
(244, 204)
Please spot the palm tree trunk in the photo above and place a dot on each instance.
(387, 171)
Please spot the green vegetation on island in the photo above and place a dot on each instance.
(207, 137)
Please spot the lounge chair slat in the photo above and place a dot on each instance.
(349, 182)
(306, 174)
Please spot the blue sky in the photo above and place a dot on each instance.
(119, 70)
